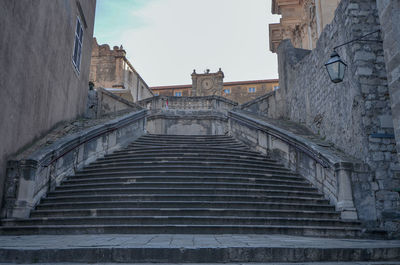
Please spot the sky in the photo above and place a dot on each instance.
(166, 39)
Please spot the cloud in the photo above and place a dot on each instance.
(177, 36)
(114, 17)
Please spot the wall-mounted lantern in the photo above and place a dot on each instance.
(335, 66)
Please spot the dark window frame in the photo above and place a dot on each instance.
(78, 43)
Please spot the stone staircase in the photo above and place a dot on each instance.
(175, 184)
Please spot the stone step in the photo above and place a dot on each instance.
(186, 142)
(143, 145)
(209, 185)
(184, 212)
(197, 175)
(185, 198)
(179, 220)
(233, 146)
(182, 164)
(182, 205)
(169, 138)
(163, 144)
(184, 151)
(182, 137)
(177, 137)
(342, 232)
(191, 173)
(215, 148)
(182, 159)
(270, 180)
(188, 168)
(207, 139)
(188, 156)
(193, 191)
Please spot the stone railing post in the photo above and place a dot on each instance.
(345, 202)
(19, 199)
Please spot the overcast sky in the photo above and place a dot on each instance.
(166, 39)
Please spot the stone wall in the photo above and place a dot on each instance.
(39, 86)
(389, 17)
(354, 115)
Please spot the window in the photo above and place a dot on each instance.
(252, 89)
(76, 58)
(178, 94)
(276, 88)
(227, 91)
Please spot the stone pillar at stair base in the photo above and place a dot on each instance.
(23, 190)
(345, 202)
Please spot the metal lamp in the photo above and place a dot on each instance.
(336, 68)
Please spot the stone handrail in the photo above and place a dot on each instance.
(131, 104)
(29, 179)
(327, 170)
(252, 102)
(188, 103)
(206, 115)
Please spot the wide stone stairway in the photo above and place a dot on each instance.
(175, 184)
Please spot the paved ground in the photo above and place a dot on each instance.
(186, 241)
(49, 249)
(268, 263)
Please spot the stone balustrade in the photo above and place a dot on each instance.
(29, 179)
(188, 115)
(327, 169)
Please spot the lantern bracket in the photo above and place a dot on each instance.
(359, 39)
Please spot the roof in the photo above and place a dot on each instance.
(170, 87)
(249, 82)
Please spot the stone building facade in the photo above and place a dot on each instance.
(302, 21)
(209, 84)
(245, 91)
(360, 115)
(45, 49)
(177, 90)
(111, 70)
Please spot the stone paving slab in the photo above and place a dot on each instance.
(186, 241)
(179, 248)
(308, 263)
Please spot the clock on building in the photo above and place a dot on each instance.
(207, 83)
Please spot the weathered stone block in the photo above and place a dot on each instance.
(378, 156)
(364, 56)
(364, 71)
(386, 195)
(374, 139)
